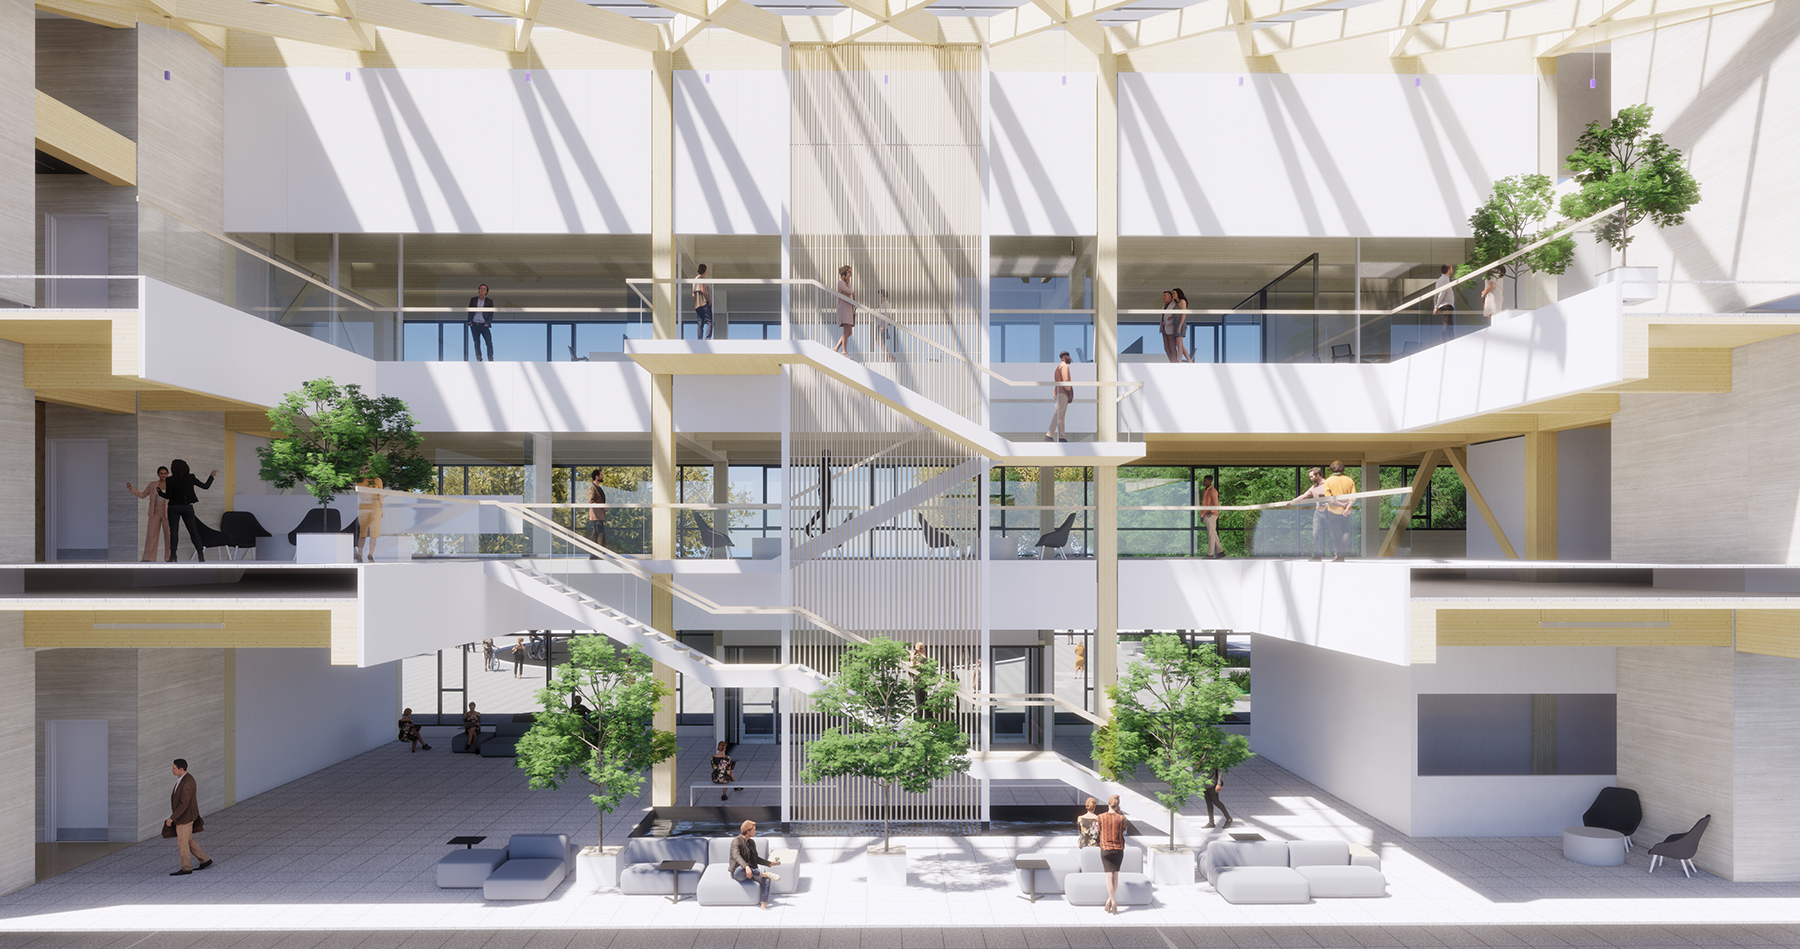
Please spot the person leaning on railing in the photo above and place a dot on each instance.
(1337, 513)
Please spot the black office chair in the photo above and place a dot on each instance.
(1342, 352)
(241, 529)
(711, 538)
(1615, 809)
(1682, 847)
(1058, 540)
(937, 538)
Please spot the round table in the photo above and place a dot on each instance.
(1594, 846)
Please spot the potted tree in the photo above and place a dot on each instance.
(1514, 217)
(609, 743)
(1165, 713)
(328, 437)
(1621, 162)
(897, 731)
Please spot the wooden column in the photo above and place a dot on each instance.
(1403, 516)
(666, 324)
(1540, 496)
(1106, 369)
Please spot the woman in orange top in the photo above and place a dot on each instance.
(1112, 849)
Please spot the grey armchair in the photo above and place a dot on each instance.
(1681, 847)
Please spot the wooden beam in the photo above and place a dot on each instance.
(111, 401)
(85, 143)
(1540, 495)
(178, 629)
(1403, 516)
(1769, 632)
(1593, 627)
(573, 16)
(1423, 634)
(1459, 460)
(271, 20)
(102, 14)
(1684, 370)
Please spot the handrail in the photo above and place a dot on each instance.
(1039, 699)
(1313, 258)
(265, 258)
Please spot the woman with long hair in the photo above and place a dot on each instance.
(178, 490)
(1181, 305)
(724, 770)
(1492, 296)
(1167, 326)
(159, 516)
(409, 730)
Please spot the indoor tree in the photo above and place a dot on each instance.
(1514, 217)
(1165, 713)
(612, 744)
(897, 728)
(329, 437)
(1620, 162)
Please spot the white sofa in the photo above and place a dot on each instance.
(1087, 886)
(1297, 871)
(536, 864)
(718, 888)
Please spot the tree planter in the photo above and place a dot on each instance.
(887, 867)
(1637, 284)
(323, 548)
(1171, 867)
(598, 867)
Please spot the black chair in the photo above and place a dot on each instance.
(209, 539)
(936, 537)
(711, 538)
(1058, 540)
(241, 529)
(1681, 847)
(1135, 349)
(321, 520)
(1615, 809)
(1341, 352)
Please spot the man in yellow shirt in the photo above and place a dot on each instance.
(1337, 513)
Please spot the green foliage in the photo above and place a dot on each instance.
(613, 745)
(1621, 162)
(1165, 714)
(331, 436)
(1446, 506)
(1513, 218)
(897, 728)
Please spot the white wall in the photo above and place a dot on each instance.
(731, 151)
(1584, 489)
(188, 341)
(297, 713)
(1343, 723)
(437, 150)
(522, 396)
(1041, 156)
(729, 404)
(1328, 155)
(1499, 471)
(1503, 805)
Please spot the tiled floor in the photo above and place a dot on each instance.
(351, 851)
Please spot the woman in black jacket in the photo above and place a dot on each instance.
(179, 492)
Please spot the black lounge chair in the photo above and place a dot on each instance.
(937, 537)
(1615, 809)
(1681, 847)
(241, 529)
(321, 520)
(1058, 540)
(711, 538)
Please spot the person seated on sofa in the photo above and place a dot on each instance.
(745, 861)
(471, 729)
(409, 730)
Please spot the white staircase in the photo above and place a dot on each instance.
(587, 612)
(1051, 766)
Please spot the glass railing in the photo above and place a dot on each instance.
(70, 292)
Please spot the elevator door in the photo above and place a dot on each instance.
(1018, 670)
(754, 714)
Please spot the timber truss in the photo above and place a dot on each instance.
(1262, 28)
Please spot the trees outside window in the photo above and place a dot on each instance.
(1165, 713)
(896, 729)
(612, 744)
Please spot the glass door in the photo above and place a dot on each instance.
(754, 713)
(1017, 670)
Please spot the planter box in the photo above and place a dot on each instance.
(598, 867)
(323, 548)
(1637, 284)
(887, 868)
(1172, 868)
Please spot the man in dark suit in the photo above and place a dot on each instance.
(184, 820)
(481, 321)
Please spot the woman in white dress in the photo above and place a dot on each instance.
(1491, 304)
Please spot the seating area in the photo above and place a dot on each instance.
(529, 867)
(1291, 871)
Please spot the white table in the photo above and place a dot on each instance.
(1594, 846)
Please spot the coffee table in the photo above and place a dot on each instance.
(675, 866)
(1030, 865)
(467, 842)
(1594, 846)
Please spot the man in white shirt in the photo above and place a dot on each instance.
(1444, 304)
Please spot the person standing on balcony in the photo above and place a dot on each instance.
(1491, 297)
(1337, 513)
(1315, 493)
(1167, 327)
(846, 309)
(1209, 498)
(1063, 396)
(368, 518)
(597, 515)
(702, 306)
(159, 516)
(481, 321)
(1444, 304)
(1181, 305)
(178, 490)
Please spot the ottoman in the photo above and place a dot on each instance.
(1332, 882)
(1089, 889)
(468, 868)
(1263, 885)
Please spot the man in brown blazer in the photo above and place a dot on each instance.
(184, 819)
